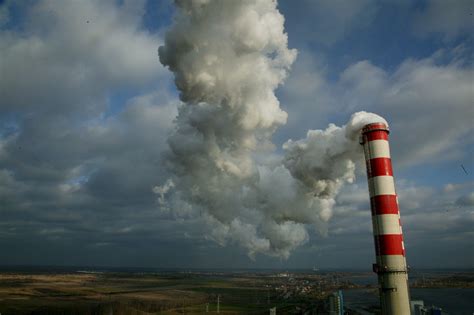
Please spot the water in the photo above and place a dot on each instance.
(452, 300)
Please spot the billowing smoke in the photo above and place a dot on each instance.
(228, 57)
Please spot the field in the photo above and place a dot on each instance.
(124, 293)
(92, 292)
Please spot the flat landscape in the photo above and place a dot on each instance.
(197, 292)
(123, 293)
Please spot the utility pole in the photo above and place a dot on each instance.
(218, 303)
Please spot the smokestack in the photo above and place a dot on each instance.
(391, 266)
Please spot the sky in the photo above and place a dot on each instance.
(87, 110)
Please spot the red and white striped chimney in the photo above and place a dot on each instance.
(391, 266)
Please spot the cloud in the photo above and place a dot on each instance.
(113, 167)
(450, 19)
(62, 64)
(84, 117)
(422, 98)
(67, 53)
(430, 98)
(427, 102)
(433, 220)
(307, 96)
(436, 222)
(466, 200)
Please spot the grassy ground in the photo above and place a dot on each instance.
(135, 294)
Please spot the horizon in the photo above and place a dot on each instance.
(208, 270)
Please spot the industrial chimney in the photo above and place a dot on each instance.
(391, 266)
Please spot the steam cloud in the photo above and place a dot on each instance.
(228, 57)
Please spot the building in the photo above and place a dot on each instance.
(416, 306)
(336, 303)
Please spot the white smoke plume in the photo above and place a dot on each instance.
(228, 57)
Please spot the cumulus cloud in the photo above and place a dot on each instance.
(432, 220)
(74, 156)
(429, 98)
(67, 54)
(62, 64)
(428, 104)
(415, 98)
(439, 220)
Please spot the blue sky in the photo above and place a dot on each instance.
(86, 109)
